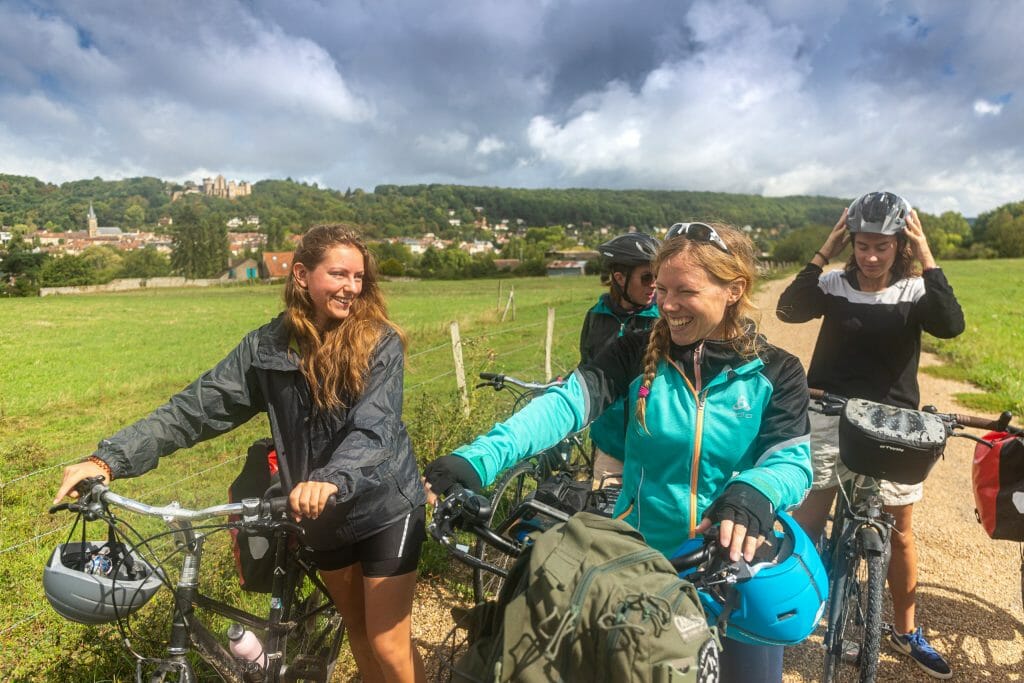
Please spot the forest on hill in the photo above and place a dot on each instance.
(395, 210)
(521, 223)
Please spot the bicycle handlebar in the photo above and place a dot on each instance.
(832, 403)
(499, 382)
(94, 494)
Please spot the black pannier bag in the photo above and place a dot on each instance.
(254, 554)
(886, 442)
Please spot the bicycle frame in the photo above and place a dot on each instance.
(188, 632)
(861, 532)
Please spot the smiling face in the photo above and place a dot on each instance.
(692, 303)
(333, 284)
(875, 255)
(639, 287)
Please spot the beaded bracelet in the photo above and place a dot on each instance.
(102, 465)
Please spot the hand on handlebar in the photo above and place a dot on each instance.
(74, 474)
(309, 498)
(442, 474)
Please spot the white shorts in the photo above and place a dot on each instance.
(829, 469)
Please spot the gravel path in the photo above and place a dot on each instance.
(968, 601)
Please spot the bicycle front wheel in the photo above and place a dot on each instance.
(312, 645)
(857, 628)
(514, 486)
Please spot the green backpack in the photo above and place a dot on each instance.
(589, 600)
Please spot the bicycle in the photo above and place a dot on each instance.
(857, 549)
(301, 633)
(568, 457)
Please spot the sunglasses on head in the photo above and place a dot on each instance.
(698, 232)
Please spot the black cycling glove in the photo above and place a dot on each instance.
(743, 504)
(447, 471)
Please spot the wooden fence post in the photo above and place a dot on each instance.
(547, 343)
(460, 369)
(510, 304)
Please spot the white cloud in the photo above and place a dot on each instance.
(778, 98)
(489, 145)
(986, 108)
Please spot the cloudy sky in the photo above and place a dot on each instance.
(776, 98)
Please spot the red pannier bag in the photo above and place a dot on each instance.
(998, 477)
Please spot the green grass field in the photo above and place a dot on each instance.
(990, 353)
(76, 369)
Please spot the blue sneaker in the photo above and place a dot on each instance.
(914, 645)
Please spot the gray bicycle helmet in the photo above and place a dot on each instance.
(883, 213)
(112, 590)
(631, 249)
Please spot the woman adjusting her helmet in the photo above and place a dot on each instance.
(873, 312)
(717, 428)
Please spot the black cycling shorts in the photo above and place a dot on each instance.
(392, 551)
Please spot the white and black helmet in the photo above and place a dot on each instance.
(883, 213)
(631, 249)
(81, 589)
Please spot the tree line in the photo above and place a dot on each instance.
(534, 222)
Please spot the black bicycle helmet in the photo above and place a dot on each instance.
(95, 583)
(631, 249)
(883, 213)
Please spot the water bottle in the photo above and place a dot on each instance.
(244, 644)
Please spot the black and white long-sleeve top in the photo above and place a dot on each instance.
(869, 344)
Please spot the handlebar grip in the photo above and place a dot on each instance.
(491, 376)
(276, 506)
(981, 422)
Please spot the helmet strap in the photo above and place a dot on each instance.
(732, 601)
(621, 291)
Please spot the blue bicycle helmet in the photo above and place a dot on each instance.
(781, 603)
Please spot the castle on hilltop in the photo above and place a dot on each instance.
(215, 187)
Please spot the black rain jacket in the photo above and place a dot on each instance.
(364, 449)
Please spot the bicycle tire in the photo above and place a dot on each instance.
(311, 648)
(511, 489)
(451, 649)
(859, 622)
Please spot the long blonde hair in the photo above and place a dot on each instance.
(740, 321)
(335, 360)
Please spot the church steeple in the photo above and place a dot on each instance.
(93, 224)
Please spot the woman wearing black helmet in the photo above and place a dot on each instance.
(628, 305)
(869, 345)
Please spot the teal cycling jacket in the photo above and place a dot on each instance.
(603, 324)
(712, 418)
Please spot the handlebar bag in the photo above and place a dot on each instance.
(254, 556)
(886, 442)
(997, 475)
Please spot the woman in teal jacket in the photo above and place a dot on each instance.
(718, 429)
